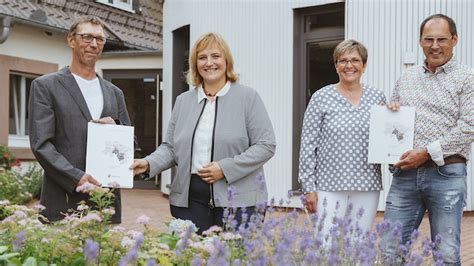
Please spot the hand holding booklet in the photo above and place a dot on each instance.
(110, 153)
(391, 133)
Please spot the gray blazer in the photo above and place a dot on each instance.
(243, 142)
(58, 117)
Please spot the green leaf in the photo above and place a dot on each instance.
(6, 257)
(169, 240)
(3, 249)
(165, 261)
(78, 261)
(30, 261)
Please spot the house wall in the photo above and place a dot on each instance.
(260, 35)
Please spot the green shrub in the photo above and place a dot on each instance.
(16, 185)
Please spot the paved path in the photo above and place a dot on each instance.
(155, 205)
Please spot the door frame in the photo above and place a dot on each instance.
(303, 38)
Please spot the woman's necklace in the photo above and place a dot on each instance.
(209, 94)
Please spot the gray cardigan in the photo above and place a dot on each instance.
(243, 142)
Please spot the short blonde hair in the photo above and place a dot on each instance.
(348, 46)
(84, 20)
(208, 40)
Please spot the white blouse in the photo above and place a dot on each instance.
(202, 144)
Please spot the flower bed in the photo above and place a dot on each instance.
(17, 186)
(86, 238)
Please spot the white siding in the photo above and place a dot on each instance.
(260, 35)
(390, 30)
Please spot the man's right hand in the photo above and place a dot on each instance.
(394, 106)
(86, 178)
(311, 201)
(140, 166)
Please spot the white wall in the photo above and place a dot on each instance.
(260, 35)
(34, 43)
(129, 62)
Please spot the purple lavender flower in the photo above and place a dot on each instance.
(415, 259)
(427, 247)
(132, 254)
(18, 241)
(261, 206)
(414, 235)
(91, 250)
(183, 242)
(151, 262)
(219, 256)
(231, 193)
(260, 180)
(122, 261)
(360, 213)
(196, 261)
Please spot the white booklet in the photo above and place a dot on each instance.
(110, 154)
(391, 133)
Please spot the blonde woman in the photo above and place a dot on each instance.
(219, 135)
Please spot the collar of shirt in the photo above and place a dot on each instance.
(201, 95)
(448, 67)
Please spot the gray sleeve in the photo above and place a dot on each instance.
(262, 143)
(163, 157)
(42, 132)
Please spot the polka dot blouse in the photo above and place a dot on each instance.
(335, 141)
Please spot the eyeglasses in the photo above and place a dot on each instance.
(89, 37)
(353, 61)
(429, 41)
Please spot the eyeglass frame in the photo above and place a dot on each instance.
(353, 61)
(441, 41)
(98, 39)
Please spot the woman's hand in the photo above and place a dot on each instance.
(394, 106)
(211, 173)
(104, 120)
(311, 201)
(139, 166)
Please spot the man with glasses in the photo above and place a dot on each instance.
(61, 104)
(432, 176)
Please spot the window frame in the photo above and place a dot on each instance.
(117, 4)
(13, 64)
(21, 138)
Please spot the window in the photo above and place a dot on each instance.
(18, 130)
(126, 5)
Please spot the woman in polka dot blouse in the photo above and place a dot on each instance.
(334, 143)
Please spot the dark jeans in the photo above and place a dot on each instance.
(199, 210)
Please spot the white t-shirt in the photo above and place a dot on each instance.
(92, 93)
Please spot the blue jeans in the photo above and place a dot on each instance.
(439, 190)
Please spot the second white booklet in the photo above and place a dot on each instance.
(110, 154)
(391, 133)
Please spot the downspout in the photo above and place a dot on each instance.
(5, 26)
